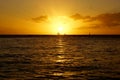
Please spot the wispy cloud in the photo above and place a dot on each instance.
(40, 19)
(76, 16)
(108, 19)
(101, 20)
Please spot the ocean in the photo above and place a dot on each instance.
(60, 58)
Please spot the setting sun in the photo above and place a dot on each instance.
(61, 24)
(60, 30)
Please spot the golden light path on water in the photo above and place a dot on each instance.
(62, 59)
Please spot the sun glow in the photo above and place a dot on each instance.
(60, 29)
(61, 25)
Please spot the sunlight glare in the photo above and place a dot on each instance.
(61, 24)
(60, 29)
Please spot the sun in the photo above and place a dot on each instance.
(61, 24)
(60, 29)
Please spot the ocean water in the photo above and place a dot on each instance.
(60, 58)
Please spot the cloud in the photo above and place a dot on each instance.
(40, 19)
(103, 20)
(76, 16)
(109, 19)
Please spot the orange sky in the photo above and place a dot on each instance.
(63, 16)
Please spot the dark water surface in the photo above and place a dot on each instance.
(60, 58)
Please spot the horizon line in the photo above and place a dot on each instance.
(39, 35)
(57, 34)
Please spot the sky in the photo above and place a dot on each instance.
(59, 16)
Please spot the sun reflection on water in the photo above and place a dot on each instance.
(65, 74)
(62, 59)
(61, 51)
